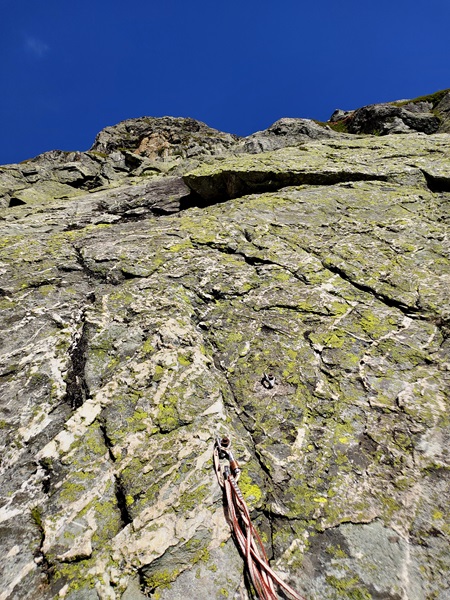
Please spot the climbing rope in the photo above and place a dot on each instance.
(263, 577)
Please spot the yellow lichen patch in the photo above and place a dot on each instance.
(252, 493)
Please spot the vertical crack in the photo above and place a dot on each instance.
(77, 389)
(121, 498)
(119, 488)
(46, 466)
(39, 556)
(83, 264)
(107, 440)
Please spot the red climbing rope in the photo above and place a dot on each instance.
(262, 575)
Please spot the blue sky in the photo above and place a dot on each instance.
(68, 69)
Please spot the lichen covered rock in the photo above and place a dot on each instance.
(137, 322)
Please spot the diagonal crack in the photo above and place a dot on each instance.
(85, 267)
(406, 309)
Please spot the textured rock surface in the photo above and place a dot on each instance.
(163, 139)
(427, 114)
(285, 132)
(387, 118)
(443, 109)
(137, 319)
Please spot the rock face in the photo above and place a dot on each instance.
(163, 138)
(428, 114)
(142, 298)
(284, 132)
(386, 118)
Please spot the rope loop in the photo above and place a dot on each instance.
(263, 577)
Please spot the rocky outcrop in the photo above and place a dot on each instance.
(59, 175)
(285, 132)
(125, 153)
(163, 139)
(443, 110)
(343, 161)
(137, 319)
(383, 119)
(427, 114)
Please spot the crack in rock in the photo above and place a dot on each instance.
(77, 389)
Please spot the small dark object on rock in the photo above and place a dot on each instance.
(268, 381)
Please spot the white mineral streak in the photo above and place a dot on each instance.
(147, 543)
(13, 552)
(7, 514)
(81, 548)
(31, 490)
(217, 408)
(44, 356)
(24, 571)
(75, 427)
(221, 531)
(296, 447)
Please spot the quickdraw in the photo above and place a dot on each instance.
(263, 577)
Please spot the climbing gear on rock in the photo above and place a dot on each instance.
(248, 540)
(268, 381)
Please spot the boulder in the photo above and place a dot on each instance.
(285, 132)
(340, 114)
(383, 119)
(427, 114)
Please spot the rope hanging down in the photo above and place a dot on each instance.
(262, 575)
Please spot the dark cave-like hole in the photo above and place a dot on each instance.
(15, 202)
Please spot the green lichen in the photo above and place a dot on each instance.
(147, 347)
(334, 339)
(167, 417)
(77, 575)
(139, 421)
(192, 499)
(349, 587)
(180, 246)
(70, 492)
(336, 552)
(185, 360)
(161, 579)
(158, 373)
(251, 492)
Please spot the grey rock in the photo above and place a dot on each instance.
(284, 132)
(379, 118)
(418, 107)
(220, 575)
(443, 109)
(163, 139)
(137, 321)
(340, 114)
(133, 591)
(427, 114)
